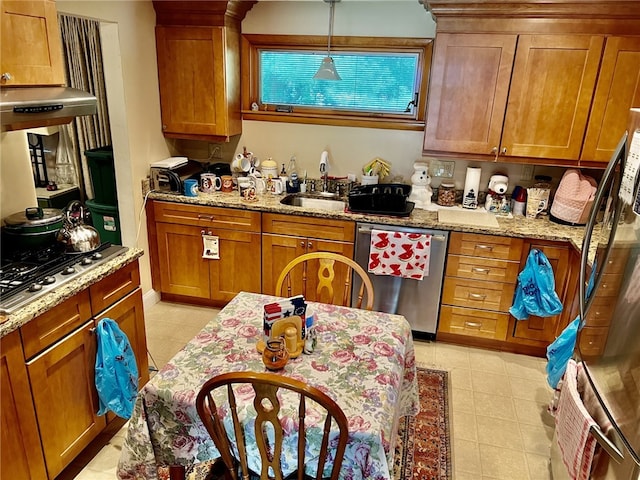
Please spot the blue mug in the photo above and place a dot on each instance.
(191, 188)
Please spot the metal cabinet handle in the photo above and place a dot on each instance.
(6, 77)
(494, 150)
(207, 232)
(309, 245)
(504, 150)
(302, 244)
(201, 232)
(477, 296)
(211, 218)
(485, 247)
(480, 270)
(472, 324)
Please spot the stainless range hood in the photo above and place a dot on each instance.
(30, 107)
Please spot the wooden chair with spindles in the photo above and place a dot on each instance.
(267, 404)
(325, 280)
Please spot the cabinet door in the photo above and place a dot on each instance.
(182, 268)
(468, 90)
(238, 268)
(550, 96)
(21, 451)
(65, 397)
(617, 91)
(543, 329)
(277, 252)
(191, 71)
(31, 44)
(129, 315)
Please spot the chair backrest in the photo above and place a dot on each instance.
(267, 406)
(326, 276)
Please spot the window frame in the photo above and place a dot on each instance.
(252, 43)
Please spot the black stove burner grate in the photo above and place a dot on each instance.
(28, 274)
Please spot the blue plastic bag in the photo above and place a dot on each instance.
(560, 352)
(116, 370)
(535, 292)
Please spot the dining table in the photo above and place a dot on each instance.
(364, 360)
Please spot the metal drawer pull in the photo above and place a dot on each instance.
(211, 218)
(480, 270)
(472, 324)
(477, 296)
(485, 247)
(606, 444)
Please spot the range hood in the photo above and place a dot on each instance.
(30, 107)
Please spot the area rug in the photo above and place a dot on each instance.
(423, 450)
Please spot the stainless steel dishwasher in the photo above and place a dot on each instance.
(417, 300)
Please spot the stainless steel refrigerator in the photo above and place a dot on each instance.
(609, 343)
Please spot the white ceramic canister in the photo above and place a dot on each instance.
(269, 169)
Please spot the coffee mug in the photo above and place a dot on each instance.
(247, 188)
(241, 163)
(191, 188)
(227, 183)
(209, 182)
(259, 183)
(275, 186)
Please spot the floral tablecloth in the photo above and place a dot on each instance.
(364, 360)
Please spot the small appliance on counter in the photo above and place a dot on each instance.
(168, 175)
(573, 199)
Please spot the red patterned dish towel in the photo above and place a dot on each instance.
(399, 254)
(573, 423)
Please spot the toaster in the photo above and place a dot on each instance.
(170, 179)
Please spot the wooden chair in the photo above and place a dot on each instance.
(326, 275)
(267, 405)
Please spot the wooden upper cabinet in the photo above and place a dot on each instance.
(194, 82)
(553, 81)
(490, 97)
(31, 52)
(470, 75)
(198, 48)
(617, 90)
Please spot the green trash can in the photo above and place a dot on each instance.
(103, 175)
(105, 219)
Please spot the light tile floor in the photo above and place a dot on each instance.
(500, 429)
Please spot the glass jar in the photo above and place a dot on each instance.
(447, 194)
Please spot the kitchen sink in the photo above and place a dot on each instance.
(313, 201)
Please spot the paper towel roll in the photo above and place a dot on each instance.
(471, 187)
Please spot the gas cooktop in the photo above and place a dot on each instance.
(27, 275)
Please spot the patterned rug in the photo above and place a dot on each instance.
(423, 451)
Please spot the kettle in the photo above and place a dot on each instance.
(77, 236)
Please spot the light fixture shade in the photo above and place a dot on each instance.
(327, 70)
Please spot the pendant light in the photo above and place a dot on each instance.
(327, 70)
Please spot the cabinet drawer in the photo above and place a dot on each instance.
(204, 216)
(591, 341)
(475, 323)
(51, 326)
(486, 246)
(600, 312)
(617, 260)
(326, 228)
(610, 285)
(111, 289)
(482, 268)
(477, 294)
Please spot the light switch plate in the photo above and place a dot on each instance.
(527, 172)
(441, 168)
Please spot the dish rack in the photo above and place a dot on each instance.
(381, 199)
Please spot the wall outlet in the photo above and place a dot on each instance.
(441, 168)
(215, 151)
(146, 185)
(527, 172)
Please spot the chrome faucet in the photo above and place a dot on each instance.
(324, 173)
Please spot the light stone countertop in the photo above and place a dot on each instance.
(23, 315)
(541, 229)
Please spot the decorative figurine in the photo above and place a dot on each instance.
(421, 190)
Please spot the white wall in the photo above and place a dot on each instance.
(128, 34)
(17, 190)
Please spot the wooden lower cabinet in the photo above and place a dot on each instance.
(286, 237)
(479, 282)
(49, 400)
(181, 272)
(21, 451)
(541, 331)
(65, 399)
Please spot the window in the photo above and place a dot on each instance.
(383, 81)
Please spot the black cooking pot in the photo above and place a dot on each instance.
(34, 228)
